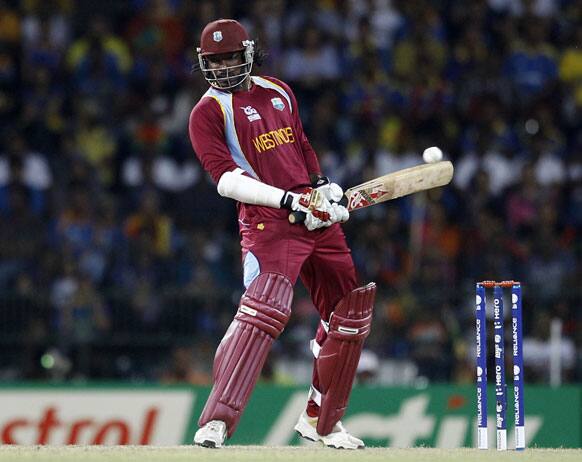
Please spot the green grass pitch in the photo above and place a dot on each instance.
(276, 454)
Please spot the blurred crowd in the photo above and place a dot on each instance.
(118, 259)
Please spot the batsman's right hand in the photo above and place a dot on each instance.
(337, 214)
(319, 211)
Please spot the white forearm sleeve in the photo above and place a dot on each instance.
(245, 189)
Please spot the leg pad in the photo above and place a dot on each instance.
(349, 325)
(261, 317)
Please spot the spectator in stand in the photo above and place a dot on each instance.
(96, 142)
(19, 166)
(22, 237)
(531, 66)
(571, 66)
(312, 64)
(150, 228)
(99, 63)
(74, 225)
(187, 367)
(10, 23)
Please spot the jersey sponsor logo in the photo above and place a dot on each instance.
(274, 138)
(217, 36)
(251, 113)
(278, 104)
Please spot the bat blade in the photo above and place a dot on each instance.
(392, 186)
(399, 184)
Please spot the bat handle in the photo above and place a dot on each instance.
(296, 218)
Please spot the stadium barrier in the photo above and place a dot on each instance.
(435, 416)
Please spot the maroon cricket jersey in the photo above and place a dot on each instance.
(258, 131)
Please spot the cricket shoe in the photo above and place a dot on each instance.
(211, 435)
(339, 438)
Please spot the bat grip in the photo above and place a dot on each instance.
(296, 218)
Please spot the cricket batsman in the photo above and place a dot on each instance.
(247, 133)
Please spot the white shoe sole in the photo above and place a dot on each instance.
(207, 444)
(304, 430)
(212, 435)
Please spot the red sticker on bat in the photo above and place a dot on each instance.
(361, 199)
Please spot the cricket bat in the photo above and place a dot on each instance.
(392, 186)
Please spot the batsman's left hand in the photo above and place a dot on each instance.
(333, 192)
